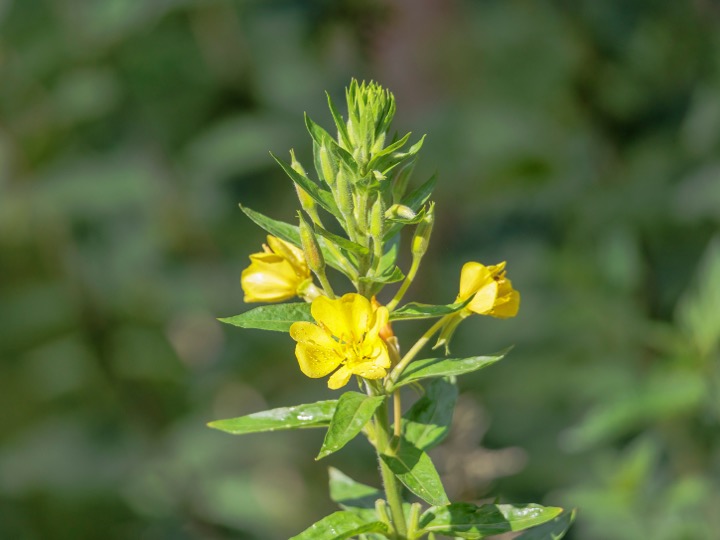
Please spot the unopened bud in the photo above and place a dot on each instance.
(295, 164)
(400, 211)
(327, 166)
(306, 201)
(377, 220)
(421, 239)
(343, 193)
(313, 255)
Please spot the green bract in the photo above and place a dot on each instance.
(352, 210)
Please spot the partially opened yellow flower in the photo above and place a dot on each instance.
(278, 273)
(346, 338)
(493, 292)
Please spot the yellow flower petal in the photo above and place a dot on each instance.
(347, 318)
(484, 298)
(345, 337)
(340, 378)
(275, 274)
(316, 361)
(295, 256)
(369, 370)
(472, 276)
(508, 302)
(269, 278)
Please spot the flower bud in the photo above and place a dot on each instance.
(399, 211)
(327, 165)
(343, 193)
(377, 220)
(306, 201)
(313, 255)
(421, 239)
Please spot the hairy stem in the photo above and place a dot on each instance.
(414, 266)
(393, 489)
(410, 355)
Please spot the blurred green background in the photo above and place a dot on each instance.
(578, 140)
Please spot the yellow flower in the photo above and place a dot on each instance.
(276, 273)
(493, 292)
(346, 338)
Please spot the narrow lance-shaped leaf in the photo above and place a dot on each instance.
(413, 200)
(389, 149)
(276, 317)
(341, 242)
(309, 415)
(350, 494)
(415, 470)
(389, 161)
(340, 525)
(427, 422)
(353, 411)
(289, 233)
(389, 275)
(551, 530)
(323, 197)
(339, 123)
(467, 520)
(320, 137)
(414, 310)
(444, 367)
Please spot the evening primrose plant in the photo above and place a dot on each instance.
(351, 217)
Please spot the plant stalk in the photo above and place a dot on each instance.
(393, 489)
(410, 355)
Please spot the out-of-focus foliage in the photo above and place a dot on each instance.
(579, 141)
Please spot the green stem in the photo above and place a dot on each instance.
(412, 353)
(393, 489)
(325, 283)
(414, 266)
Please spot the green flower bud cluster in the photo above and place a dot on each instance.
(361, 180)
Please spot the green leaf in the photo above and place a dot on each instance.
(289, 233)
(416, 471)
(413, 200)
(467, 520)
(415, 310)
(309, 415)
(387, 261)
(353, 411)
(389, 149)
(389, 275)
(350, 494)
(551, 530)
(427, 422)
(387, 162)
(341, 242)
(340, 525)
(320, 137)
(339, 123)
(421, 195)
(323, 197)
(444, 367)
(277, 317)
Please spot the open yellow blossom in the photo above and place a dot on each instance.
(346, 338)
(493, 292)
(277, 273)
